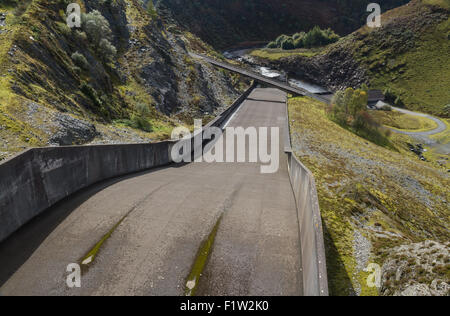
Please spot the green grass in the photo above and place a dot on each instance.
(441, 3)
(419, 75)
(366, 187)
(403, 121)
(277, 53)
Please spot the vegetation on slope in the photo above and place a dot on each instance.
(408, 58)
(315, 37)
(402, 121)
(372, 199)
(125, 76)
(349, 110)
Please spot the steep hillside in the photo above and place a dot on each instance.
(408, 58)
(379, 206)
(63, 86)
(226, 23)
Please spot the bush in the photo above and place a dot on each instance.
(314, 38)
(298, 43)
(90, 92)
(281, 39)
(80, 61)
(107, 50)
(272, 45)
(288, 44)
(141, 117)
(349, 109)
(151, 10)
(96, 27)
(447, 110)
(81, 36)
(97, 30)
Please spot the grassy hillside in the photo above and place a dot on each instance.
(227, 23)
(372, 200)
(408, 58)
(60, 86)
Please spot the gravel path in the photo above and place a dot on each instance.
(441, 125)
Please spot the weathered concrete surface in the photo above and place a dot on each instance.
(170, 212)
(315, 281)
(37, 179)
(314, 268)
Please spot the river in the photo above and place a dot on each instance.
(243, 56)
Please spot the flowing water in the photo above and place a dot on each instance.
(242, 56)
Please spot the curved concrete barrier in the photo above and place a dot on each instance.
(315, 279)
(38, 178)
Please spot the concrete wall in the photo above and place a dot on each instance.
(40, 177)
(37, 179)
(315, 280)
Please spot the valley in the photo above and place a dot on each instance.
(361, 192)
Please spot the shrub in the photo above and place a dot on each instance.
(272, 45)
(96, 27)
(107, 50)
(447, 110)
(98, 32)
(298, 43)
(81, 36)
(80, 61)
(281, 39)
(349, 109)
(90, 92)
(314, 38)
(288, 44)
(151, 10)
(141, 117)
(76, 70)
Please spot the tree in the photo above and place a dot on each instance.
(288, 44)
(96, 27)
(107, 50)
(80, 61)
(141, 117)
(349, 104)
(272, 45)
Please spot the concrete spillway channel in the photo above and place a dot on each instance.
(155, 232)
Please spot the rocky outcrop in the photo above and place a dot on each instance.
(421, 269)
(152, 70)
(71, 131)
(325, 70)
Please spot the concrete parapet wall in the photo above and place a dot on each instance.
(40, 177)
(314, 268)
(315, 281)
